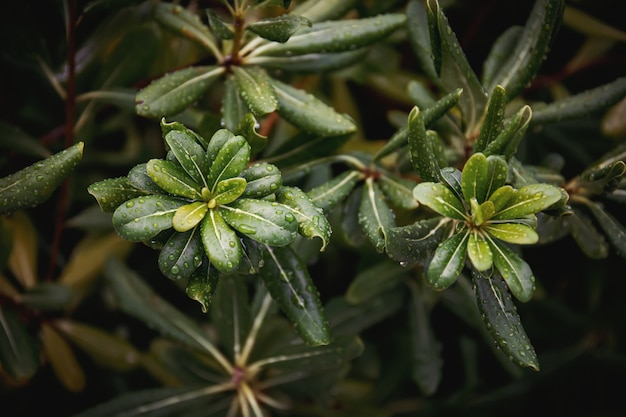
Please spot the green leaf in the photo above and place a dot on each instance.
(138, 177)
(279, 28)
(229, 190)
(218, 26)
(478, 252)
(329, 194)
(419, 36)
(184, 22)
(202, 285)
(520, 234)
(374, 280)
(310, 63)
(319, 11)
(189, 153)
(423, 156)
(448, 261)
(112, 192)
(19, 354)
(262, 179)
(439, 198)
(221, 243)
(336, 36)
(497, 174)
(611, 227)
(231, 312)
(230, 161)
(175, 91)
(34, 184)
(502, 320)
(399, 191)
(310, 113)
(234, 109)
(452, 177)
(588, 238)
(247, 128)
(144, 217)
(255, 88)
(475, 179)
(529, 199)
(47, 296)
(288, 281)
(532, 47)
(515, 271)
(501, 197)
(493, 120)
(173, 179)
(414, 243)
(264, 221)
(311, 220)
(217, 142)
(181, 255)
(499, 54)
(375, 217)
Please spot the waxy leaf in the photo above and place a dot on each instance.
(176, 91)
(497, 173)
(231, 159)
(256, 90)
(310, 113)
(228, 190)
(217, 142)
(452, 177)
(375, 216)
(189, 215)
(501, 197)
(311, 220)
(189, 153)
(493, 120)
(498, 55)
(233, 108)
(231, 312)
(264, 221)
(247, 128)
(279, 28)
(422, 152)
(112, 192)
(507, 141)
(221, 243)
(173, 179)
(144, 217)
(329, 194)
(290, 285)
(319, 11)
(475, 180)
(262, 180)
(19, 354)
(515, 271)
(310, 63)
(399, 191)
(138, 177)
(415, 242)
(502, 320)
(529, 199)
(439, 198)
(478, 252)
(202, 284)
(520, 234)
(611, 227)
(218, 26)
(181, 255)
(448, 261)
(34, 184)
(375, 280)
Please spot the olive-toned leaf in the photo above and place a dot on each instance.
(202, 285)
(22, 259)
(310, 113)
(233, 107)
(173, 179)
(231, 312)
(515, 271)
(311, 220)
(185, 136)
(493, 120)
(310, 63)
(19, 354)
(175, 91)
(319, 11)
(6, 242)
(498, 55)
(255, 88)
(497, 173)
(399, 191)
(439, 198)
(218, 26)
(230, 160)
(421, 150)
(47, 296)
(181, 255)
(478, 252)
(507, 141)
(329, 194)
(520, 234)
(419, 27)
(502, 320)
(189, 153)
(262, 179)
(529, 199)
(501, 197)
(138, 177)
(279, 28)
(247, 128)
(263, 221)
(448, 261)
(144, 217)
(112, 192)
(34, 184)
(221, 243)
(375, 217)
(62, 358)
(229, 190)
(531, 49)
(415, 242)
(374, 280)
(475, 179)
(186, 23)
(611, 227)
(336, 36)
(288, 281)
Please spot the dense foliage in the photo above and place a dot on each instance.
(312, 208)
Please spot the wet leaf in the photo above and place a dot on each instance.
(181, 255)
(310, 63)
(112, 192)
(423, 156)
(138, 177)
(375, 217)
(231, 312)
(230, 160)
(218, 26)
(520, 234)
(507, 141)
(144, 217)
(475, 179)
(189, 215)
(247, 128)
(189, 153)
(399, 191)
(173, 179)
(329, 194)
(478, 252)
(448, 261)
(19, 354)
(262, 180)
(414, 243)
(493, 121)
(184, 22)
(439, 198)
(279, 28)
(515, 271)
(319, 11)
(256, 90)
(611, 227)
(498, 55)
(221, 243)
(229, 190)
(374, 280)
(529, 199)
(202, 285)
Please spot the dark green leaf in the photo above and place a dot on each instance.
(181, 255)
(262, 179)
(374, 280)
(498, 55)
(515, 271)
(221, 243)
(279, 28)
(611, 227)
(290, 285)
(399, 191)
(231, 313)
(440, 199)
(112, 192)
(189, 153)
(423, 156)
(138, 178)
(234, 108)
(19, 354)
(34, 184)
(14, 138)
(501, 319)
(448, 260)
(47, 296)
(329, 194)
(587, 237)
(375, 217)
(247, 128)
(319, 11)
(255, 88)
(310, 63)
(202, 285)
(230, 161)
(493, 120)
(144, 217)
(173, 179)
(415, 242)
(218, 26)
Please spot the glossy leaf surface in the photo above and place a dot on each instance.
(144, 217)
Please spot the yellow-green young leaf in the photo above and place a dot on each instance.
(173, 179)
(375, 216)
(201, 286)
(189, 153)
(529, 199)
(221, 243)
(327, 195)
(229, 190)
(502, 321)
(181, 255)
(34, 184)
(112, 192)
(23, 257)
(62, 359)
(176, 91)
(189, 215)
(278, 28)
(288, 281)
(520, 234)
(256, 90)
(478, 252)
(310, 113)
(230, 160)
(262, 179)
(501, 197)
(515, 271)
(439, 198)
(264, 221)
(475, 179)
(144, 217)
(104, 348)
(448, 261)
